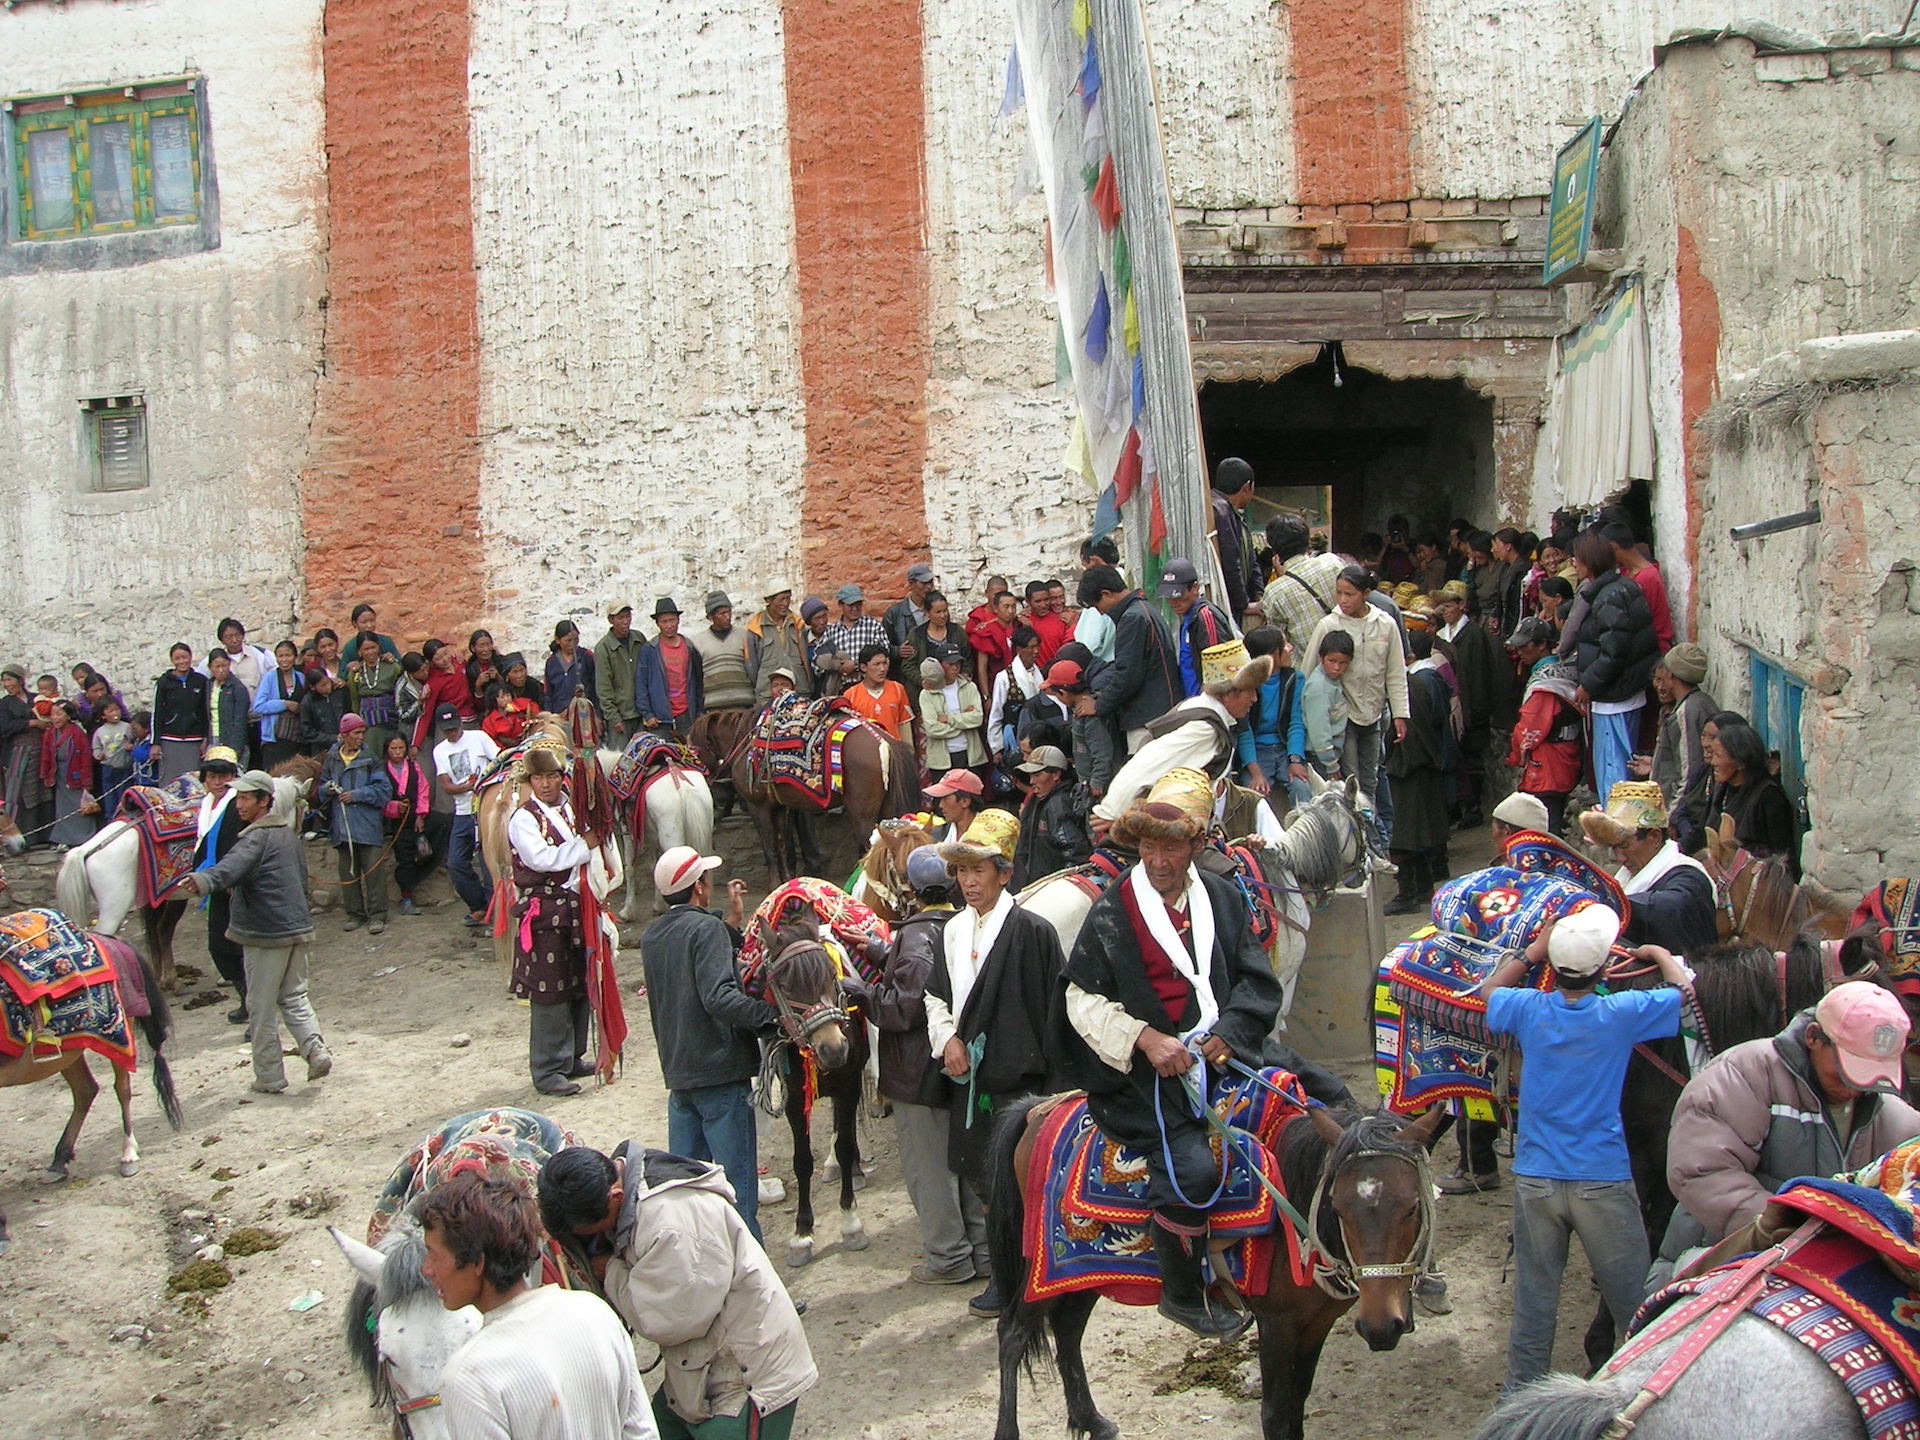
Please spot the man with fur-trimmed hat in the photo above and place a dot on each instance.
(1672, 894)
(987, 997)
(550, 941)
(1197, 734)
(1166, 974)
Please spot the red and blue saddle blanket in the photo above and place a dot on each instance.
(60, 990)
(797, 744)
(167, 818)
(646, 758)
(1430, 1034)
(844, 919)
(1087, 1211)
(1847, 1295)
(507, 1143)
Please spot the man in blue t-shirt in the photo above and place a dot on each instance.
(1570, 1166)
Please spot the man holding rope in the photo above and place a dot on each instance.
(1166, 974)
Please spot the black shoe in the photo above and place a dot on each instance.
(1466, 1182)
(1407, 905)
(1183, 1296)
(987, 1304)
(581, 1070)
(558, 1087)
(237, 1017)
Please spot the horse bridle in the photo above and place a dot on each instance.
(1337, 1275)
(801, 1025)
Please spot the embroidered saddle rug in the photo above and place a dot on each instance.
(844, 918)
(1431, 1041)
(1086, 1207)
(508, 1142)
(646, 758)
(167, 819)
(797, 744)
(60, 990)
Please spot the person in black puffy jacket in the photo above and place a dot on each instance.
(1614, 655)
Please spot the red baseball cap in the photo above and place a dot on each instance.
(1064, 674)
(1868, 1028)
(958, 781)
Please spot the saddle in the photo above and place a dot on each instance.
(60, 990)
(167, 820)
(1087, 1212)
(646, 759)
(796, 743)
(844, 919)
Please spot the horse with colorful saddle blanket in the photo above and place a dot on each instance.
(1431, 1041)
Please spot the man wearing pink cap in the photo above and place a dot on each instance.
(957, 794)
(1820, 1097)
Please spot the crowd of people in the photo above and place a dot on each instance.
(1486, 676)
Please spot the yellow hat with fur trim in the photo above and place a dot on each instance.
(1227, 666)
(1178, 807)
(1631, 805)
(991, 836)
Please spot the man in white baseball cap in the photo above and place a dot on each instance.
(1572, 1175)
(704, 1026)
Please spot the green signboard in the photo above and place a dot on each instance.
(1570, 216)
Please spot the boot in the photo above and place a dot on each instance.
(1439, 866)
(1183, 1296)
(319, 1061)
(1415, 893)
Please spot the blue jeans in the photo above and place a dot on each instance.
(462, 845)
(1273, 764)
(715, 1123)
(1613, 737)
(1605, 1214)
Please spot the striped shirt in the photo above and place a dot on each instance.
(550, 1364)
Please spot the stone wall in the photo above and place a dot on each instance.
(224, 344)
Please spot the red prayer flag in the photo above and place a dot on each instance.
(1106, 195)
(1156, 521)
(1126, 474)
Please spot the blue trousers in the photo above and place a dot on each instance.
(1613, 737)
(715, 1123)
(1605, 1214)
(462, 847)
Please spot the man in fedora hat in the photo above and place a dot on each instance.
(616, 661)
(987, 998)
(1052, 836)
(1166, 974)
(668, 682)
(1197, 734)
(1672, 894)
(729, 656)
(783, 645)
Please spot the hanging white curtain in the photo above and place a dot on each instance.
(1599, 432)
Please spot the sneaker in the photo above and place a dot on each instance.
(927, 1275)
(986, 1305)
(1380, 865)
(1465, 1182)
(319, 1061)
(407, 907)
(474, 921)
(378, 927)
(773, 1190)
(1430, 1294)
(352, 925)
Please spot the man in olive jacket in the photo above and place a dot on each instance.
(272, 922)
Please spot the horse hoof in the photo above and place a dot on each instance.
(799, 1252)
(129, 1168)
(54, 1175)
(856, 1241)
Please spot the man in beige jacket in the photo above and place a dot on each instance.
(676, 1261)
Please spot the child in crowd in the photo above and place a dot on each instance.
(46, 694)
(410, 691)
(1274, 740)
(320, 711)
(113, 752)
(146, 766)
(1324, 701)
(66, 768)
(1094, 751)
(506, 721)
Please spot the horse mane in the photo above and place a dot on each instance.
(1311, 846)
(1737, 987)
(1307, 1157)
(304, 768)
(404, 1274)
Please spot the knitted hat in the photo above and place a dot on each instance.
(1631, 805)
(220, 760)
(1455, 590)
(1685, 662)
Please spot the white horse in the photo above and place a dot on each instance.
(99, 884)
(1321, 842)
(679, 809)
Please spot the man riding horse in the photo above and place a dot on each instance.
(1166, 974)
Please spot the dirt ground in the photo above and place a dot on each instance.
(898, 1361)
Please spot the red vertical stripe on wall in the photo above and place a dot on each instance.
(391, 495)
(1350, 89)
(856, 118)
(1699, 384)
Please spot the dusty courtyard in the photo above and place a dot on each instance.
(898, 1361)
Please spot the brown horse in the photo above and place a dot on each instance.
(716, 737)
(879, 776)
(1365, 1178)
(1758, 899)
(71, 1064)
(882, 886)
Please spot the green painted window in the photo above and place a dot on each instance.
(106, 162)
(116, 437)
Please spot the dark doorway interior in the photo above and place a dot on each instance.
(1380, 447)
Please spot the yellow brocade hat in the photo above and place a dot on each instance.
(991, 836)
(1227, 666)
(1631, 805)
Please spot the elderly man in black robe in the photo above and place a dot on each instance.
(1673, 896)
(1166, 976)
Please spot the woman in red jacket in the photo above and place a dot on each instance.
(1547, 750)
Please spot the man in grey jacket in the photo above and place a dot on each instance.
(1820, 1097)
(703, 1027)
(272, 923)
(616, 655)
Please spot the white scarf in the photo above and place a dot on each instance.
(1665, 861)
(1193, 968)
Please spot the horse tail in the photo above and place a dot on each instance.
(157, 1026)
(72, 887)
(1023, 1328)
(899, 769)
(1559, 1407)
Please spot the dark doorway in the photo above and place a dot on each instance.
(1379, 447)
